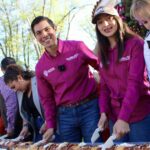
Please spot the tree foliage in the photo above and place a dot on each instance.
(16, 39)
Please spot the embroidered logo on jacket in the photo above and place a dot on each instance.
(126, 58)
(72, 57)
(99, 10)
(46, 72)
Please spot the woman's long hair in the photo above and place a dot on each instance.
(14, 70)
(123, 33)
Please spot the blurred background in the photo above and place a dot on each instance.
(72, 17)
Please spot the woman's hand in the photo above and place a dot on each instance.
(10, 133)
(25, 131)
(48, 134)
(103, 122)
(120, 128)
(43, 128)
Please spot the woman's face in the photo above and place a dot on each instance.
(17, 85)
(145, 22)
(107, 25)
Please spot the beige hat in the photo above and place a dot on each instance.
(104, 8)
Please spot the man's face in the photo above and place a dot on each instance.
(45, 34)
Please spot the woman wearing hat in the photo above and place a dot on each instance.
(124, 94)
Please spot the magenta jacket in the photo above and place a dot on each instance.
(124, 90)
(65, 79)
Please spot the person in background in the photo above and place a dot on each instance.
(140, 11)
(3, 119)
(3, 111)
(24, 83)
(124, 89)
(67, 89)
(9, 100)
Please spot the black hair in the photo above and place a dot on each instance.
(39, 19)
(13, 71)
(7, 61)
(123, 33)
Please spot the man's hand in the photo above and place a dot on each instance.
(103, 122)
(120, 128)
(48, 134)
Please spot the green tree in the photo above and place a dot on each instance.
(16, 39)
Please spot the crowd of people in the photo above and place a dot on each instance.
(63, 102)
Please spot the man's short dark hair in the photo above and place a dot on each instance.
(6, 62)
(39, 19)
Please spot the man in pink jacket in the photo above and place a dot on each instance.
(66, 87)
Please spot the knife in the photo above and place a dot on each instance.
(109, 143)
(96, 134)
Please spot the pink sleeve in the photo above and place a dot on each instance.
(135, 79)
(47, 99)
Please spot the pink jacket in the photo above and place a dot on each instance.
(66, 78)
(124, 90)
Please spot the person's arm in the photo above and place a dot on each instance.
(89, 56)
(25, 129)
(11, 109)
(134, 82)
(46, 95)
(43, 128)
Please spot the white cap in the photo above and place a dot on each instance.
(101, 9)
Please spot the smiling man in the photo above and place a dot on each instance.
(66, 87)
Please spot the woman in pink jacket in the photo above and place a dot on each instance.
(124, 94)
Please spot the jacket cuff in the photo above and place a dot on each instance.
(50, 124)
